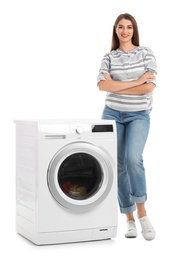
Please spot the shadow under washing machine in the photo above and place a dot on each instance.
(66, 180)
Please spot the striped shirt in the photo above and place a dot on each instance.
(128, 66)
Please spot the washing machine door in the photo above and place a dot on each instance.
(80, 176)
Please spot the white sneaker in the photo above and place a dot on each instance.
(131, 229)
(148, 231)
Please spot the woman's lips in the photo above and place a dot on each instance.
(124, 35)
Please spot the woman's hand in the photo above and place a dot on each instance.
(145, 78)
(107, 76)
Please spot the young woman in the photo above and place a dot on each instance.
(127, 74)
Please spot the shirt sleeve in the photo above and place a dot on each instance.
(150, 64)
(105, 67)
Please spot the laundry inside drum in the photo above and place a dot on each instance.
(80, 176)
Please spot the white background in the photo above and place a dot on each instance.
(50, 53)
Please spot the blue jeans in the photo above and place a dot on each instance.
(132, 132)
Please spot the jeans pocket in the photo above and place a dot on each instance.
(108, 113)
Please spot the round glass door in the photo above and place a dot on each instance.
(80, 176)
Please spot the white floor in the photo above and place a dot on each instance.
(167, 244)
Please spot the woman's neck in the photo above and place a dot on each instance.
(127, 47)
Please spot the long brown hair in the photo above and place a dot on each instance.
(135, 38)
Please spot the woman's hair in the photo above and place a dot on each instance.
(135, 38)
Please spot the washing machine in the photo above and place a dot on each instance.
(66, 180)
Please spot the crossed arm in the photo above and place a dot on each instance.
(135, 87)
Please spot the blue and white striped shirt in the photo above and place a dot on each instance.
(128, 66)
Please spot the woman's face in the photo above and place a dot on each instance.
(124, 31)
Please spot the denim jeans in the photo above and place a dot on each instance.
(132, 132)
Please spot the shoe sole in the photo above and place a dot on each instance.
(130, 236)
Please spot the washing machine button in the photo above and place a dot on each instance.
(79, 130)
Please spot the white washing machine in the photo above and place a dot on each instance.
(66, 180)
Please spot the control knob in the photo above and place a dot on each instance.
(79, 130)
